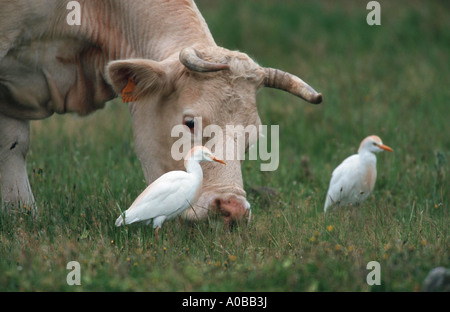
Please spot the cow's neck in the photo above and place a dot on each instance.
(110, 30)
(140, 29)
(70, 60)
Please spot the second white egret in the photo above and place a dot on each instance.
(354, 179)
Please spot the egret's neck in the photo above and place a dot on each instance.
(193, 167)
(367, 157)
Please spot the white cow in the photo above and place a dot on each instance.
(48, 66)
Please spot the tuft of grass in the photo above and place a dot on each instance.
(389, 80)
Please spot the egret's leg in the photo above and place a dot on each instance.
(157, 223)
(157, 233)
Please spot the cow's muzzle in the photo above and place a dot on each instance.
(232, 209)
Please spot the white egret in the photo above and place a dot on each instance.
(171, 194)
(354, 179)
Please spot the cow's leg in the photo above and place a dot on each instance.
(14, 142)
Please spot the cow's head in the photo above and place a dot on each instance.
(215, 84)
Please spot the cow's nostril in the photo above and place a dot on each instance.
(218, 206)
(220, 209)
(231, 208)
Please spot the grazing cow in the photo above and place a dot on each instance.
(160, 51)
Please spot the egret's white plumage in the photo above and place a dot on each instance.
(171, 194)
(354, 179)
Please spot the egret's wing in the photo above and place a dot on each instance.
(163, 183)
(343, 180)
(162, 197)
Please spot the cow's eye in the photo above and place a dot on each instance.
(190, 123)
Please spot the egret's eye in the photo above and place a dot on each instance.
(375, 144)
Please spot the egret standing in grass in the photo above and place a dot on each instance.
(171, 194)
(354, 179)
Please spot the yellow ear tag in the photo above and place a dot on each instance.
(128, 91)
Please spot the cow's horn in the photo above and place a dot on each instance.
(279, 79)
(189, 58)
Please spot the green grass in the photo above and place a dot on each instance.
(391, 80)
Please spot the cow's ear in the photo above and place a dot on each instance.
(137, 76)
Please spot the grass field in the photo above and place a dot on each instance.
(391, 80)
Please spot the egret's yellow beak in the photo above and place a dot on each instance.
(219, 160)
(385, 147)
